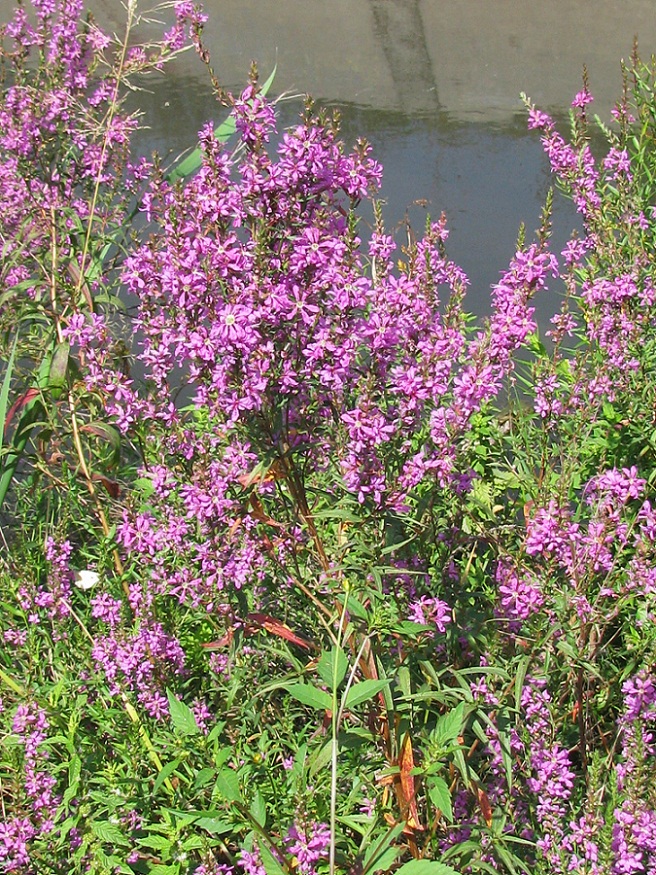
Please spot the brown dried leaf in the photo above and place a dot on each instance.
(276, 627)
(406, 789)
(484, 803)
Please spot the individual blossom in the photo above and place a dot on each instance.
(538, 120)
(308, 844)
(430, 611)
(582, 99)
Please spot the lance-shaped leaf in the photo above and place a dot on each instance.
(58, 368)
(440, 795)
(309, 695)
(12, 451)
(182, 717)
(484, 803)
(4, 390)
(425, 867)
(276, 627)
(406, 786)
(362, 691)
(332, 666)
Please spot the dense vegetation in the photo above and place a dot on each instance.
(343, 581)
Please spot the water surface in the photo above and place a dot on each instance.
(434, 85)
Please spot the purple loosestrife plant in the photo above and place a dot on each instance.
(297, 359)
(360, 603)
(68, 190)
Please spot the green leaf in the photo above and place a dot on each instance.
(106, 432)
(31, 406)
(410, 629)
(364, 690)
(520, 675)
(182, 716)
(449, 726)
(227, 785)
(4, 391)
(356, 608)
(264, 90)
(59, 367)
(258, 809)
(271, 865)
(74, 770)
(204, 777)
(440, 796)
(116, 864)
(507, 858)
(504, 727)
(156, 843)
(217, 732)
(144, 485)
(166, 771)
(383, 861)
(534, 343)
(320, 758)
(403, 680)
(425, 867)
(64, 828)
(331, 661)
(380, 855)
(213, 825)
(309, 695)
(109, 833)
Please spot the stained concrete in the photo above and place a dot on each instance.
(469, 58)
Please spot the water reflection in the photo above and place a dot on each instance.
(487, 177)
(433, 84)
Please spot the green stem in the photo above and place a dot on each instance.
(132, 6)
(336, 718)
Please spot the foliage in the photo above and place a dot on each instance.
(345, 583)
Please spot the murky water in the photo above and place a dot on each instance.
(433, 84)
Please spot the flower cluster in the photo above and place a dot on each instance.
(30, 726)
(299, 348)
(553, 777)
(306, 844)
(634, 827)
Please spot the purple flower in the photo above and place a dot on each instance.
(520, 596)
(582, 99)
(308, 844)
(430, 611)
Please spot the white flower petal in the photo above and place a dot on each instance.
(86, 579)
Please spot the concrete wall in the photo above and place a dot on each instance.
(470, 58)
